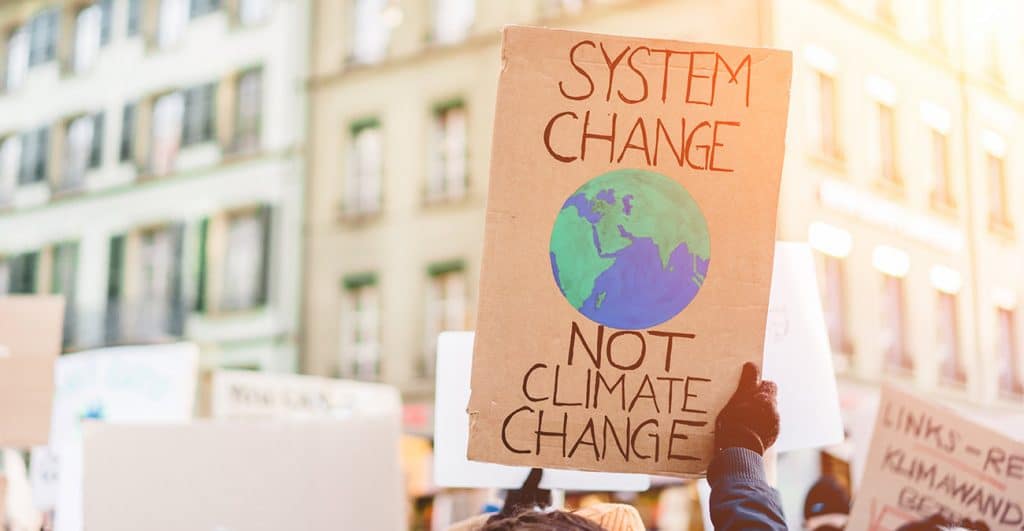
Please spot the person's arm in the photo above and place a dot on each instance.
(747, 426)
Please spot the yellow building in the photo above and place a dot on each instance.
(903, 166)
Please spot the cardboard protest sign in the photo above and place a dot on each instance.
(154, 383)
(256, 395)
(451, 436)
(628, 247)
(797, 356)
(256, 476)
(926, 459)
(30, 339)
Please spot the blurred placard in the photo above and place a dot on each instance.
(451, 436)
(797, 355)
(254, 395)
(153, 383)
(252, 476)
(30, 339)
(628, 252)
(926, 459)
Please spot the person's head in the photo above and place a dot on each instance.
(941, 522)
(827, 506)
(531, 520)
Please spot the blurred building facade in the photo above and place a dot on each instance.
(150, 170)
(399, 165)
(903, 170)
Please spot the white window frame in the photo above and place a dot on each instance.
(449, 158)
(370, 31)
(452, 20)
(447, 308)
(360, 332)
(168, 119)
(88, 27)
(18, 46)
(172, 20)
(242, 274)
(364, 185)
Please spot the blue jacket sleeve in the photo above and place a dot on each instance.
(740, 495)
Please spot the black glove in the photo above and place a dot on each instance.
(751, 419)
(526, 497)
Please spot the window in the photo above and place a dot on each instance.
(10, 161)
(134, 22)
(942, 181)
(249, 111)
(22, 271)
(999, 213)
(948, 340)
(199, 8)
(43, 41)
(360, 328)
(159, 276)
(197, 125)
(363, 186)
(446, 307)
(83, 150)
(126, 152)
(887, 143)
(827, 116)
(167, 133)
(448, 175)
(246, 259)
(35, 146)
(834, 293)
(65, 268)
(172, 19)
(894, 323)
(370, 31)
(1010, 383)
(453, 20)
(17, 57)
(88, 25)
(253, 11)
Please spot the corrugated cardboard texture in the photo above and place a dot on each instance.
(724, 111)
(244, 475)
(30, 339)
(925, 459)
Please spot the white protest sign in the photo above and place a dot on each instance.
(451, 436)
(221, 475)
(256, 395)
(154, 383)
(797, 356)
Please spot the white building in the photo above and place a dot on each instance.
(150, 170)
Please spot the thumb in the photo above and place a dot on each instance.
(748, 380)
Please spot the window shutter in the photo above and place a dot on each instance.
(134, 23)
(106, 19)
(127, 150)
(201, 269)
(115, 287)
(176, 315)
(42, 154)
(96, 150)
(266, 218)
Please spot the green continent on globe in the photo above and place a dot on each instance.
(575, 239)
(630, 248)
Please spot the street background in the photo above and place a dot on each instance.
(299, 186)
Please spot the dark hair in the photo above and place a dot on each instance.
(531, 520)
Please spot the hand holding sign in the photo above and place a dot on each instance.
(751, 419)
